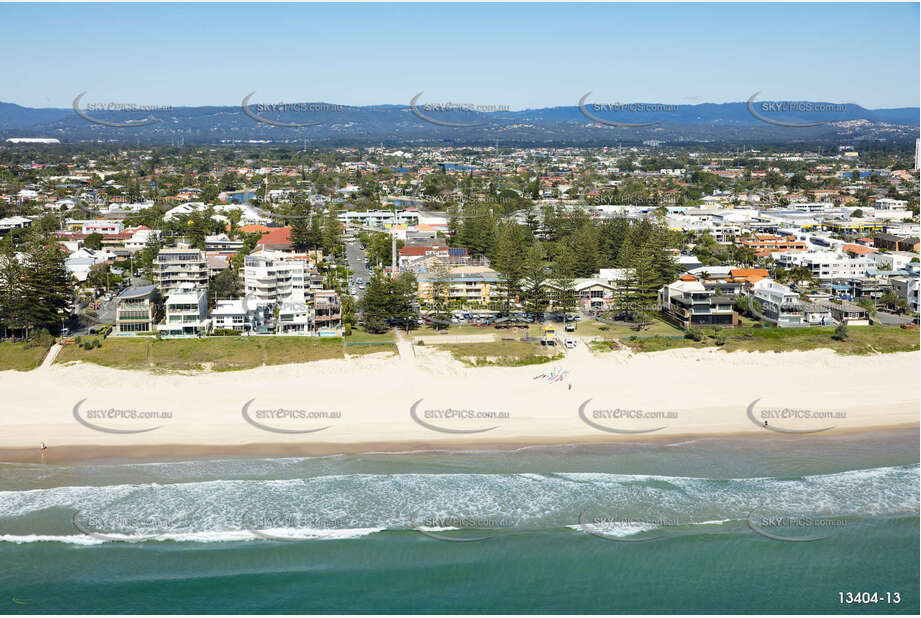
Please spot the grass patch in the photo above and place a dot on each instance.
(501, 353)
(609, 332)
(363, 350)
(216, 353)
(120, 353)
(285, 350)
(22, 356)
(361, 336)
(861, 340)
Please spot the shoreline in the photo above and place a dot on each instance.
(76, 453)
(432, 402)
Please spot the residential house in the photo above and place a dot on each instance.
(222, 242)
(137, 310)
(240, 314)
(327, 310)
(689, 303)
(783, 307)
(83, 259)
(847, 312)
(295, 317)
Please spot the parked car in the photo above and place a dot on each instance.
(570, 328)
(570, 343)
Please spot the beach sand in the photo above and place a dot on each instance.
(427, 400)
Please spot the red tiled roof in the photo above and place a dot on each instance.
(858, 249)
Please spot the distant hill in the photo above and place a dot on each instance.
(557, 126)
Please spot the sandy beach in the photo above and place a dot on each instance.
(427, 400)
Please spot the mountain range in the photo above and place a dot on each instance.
(408, 125)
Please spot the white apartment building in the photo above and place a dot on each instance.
(907, 288)
(887, 203)
(826, 264)
(176, 266)
(895, 260)
(378, 218)
(270, 277)
(102, 226)
(186, 313)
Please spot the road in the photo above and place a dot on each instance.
(890, 319)
(355, 256)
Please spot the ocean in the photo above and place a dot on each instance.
(716, 525)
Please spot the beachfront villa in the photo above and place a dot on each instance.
(238, 314)
(783, 307)
(186, 312)
(690, 303)
(294, 317)
(137, 310)
(327, 310)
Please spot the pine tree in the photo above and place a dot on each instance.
(301, 238)
(12, 297)
(48, 289)
(375, 304)
(508, 258)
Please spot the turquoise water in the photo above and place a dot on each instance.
(654, 528)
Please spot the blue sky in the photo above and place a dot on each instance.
(519, 55)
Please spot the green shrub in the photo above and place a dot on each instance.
(840, 332)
